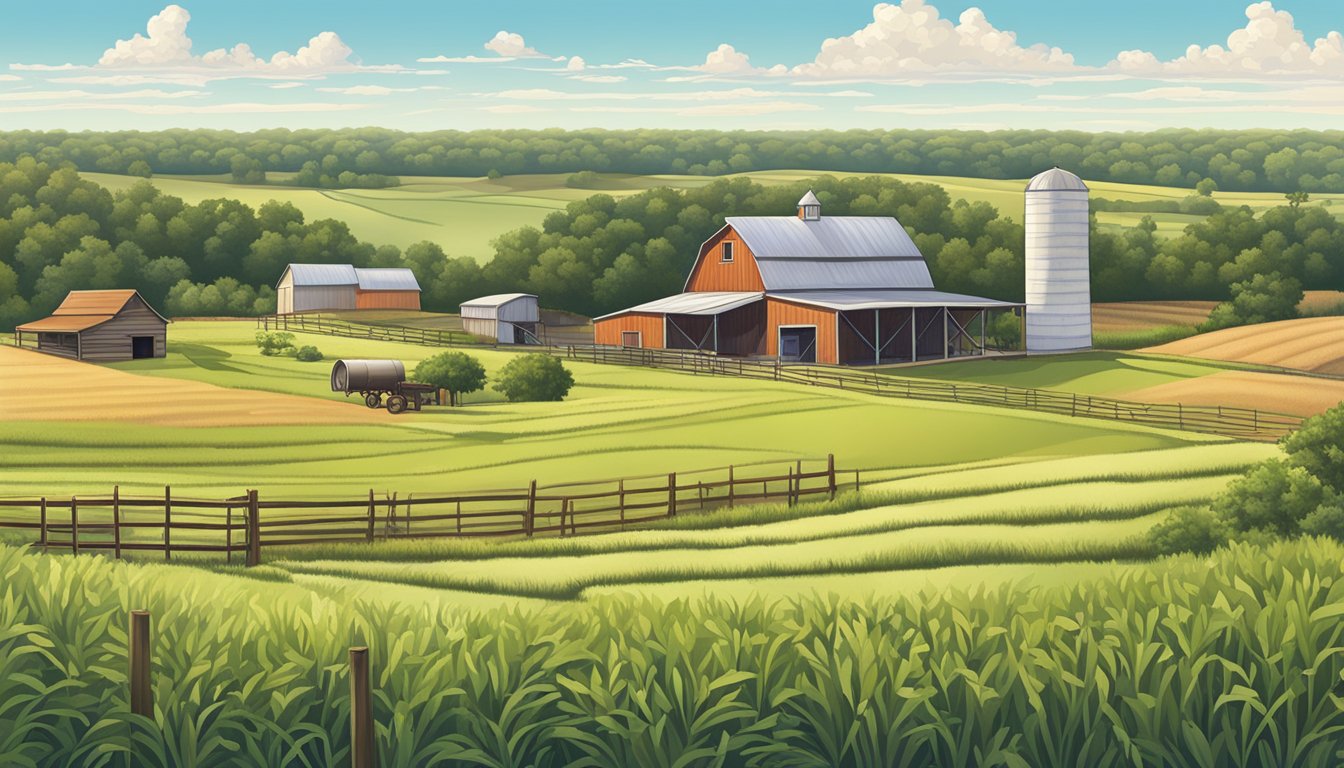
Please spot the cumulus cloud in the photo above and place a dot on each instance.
(1269, 44)
(164, 53)
(576, 64)
(912, 38)
(375, 90)
(511, 44)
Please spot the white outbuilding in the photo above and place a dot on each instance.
(510, 318)
(1059, 283)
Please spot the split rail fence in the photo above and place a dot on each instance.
(242, 526)
(1241, 423)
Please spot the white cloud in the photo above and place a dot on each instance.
(9, 78)
(78, 94)
(729, 94)
(507, 43)
(726, 60)
(182, 109)
(912, 38)
(285, 86)
(376, 90)
(600, 78)
(164, 54)
(1270, 44)
(576, 64)
(511, 109)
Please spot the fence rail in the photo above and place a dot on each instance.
(245, 525)
(1241, 423)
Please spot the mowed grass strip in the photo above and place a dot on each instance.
(562, 578)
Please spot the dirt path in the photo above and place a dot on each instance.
(38, 387)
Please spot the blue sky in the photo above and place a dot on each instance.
(784, 64)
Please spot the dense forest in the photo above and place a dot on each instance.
(59, 232)
(1247, 160)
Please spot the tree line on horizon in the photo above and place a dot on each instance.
(60, 232)
(1233, 160)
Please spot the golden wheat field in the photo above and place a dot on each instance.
(1312, 344)
(39, 387)
(1141, 315)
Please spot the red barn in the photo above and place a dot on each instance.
(850, 290)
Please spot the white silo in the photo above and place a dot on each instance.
(1059, 286)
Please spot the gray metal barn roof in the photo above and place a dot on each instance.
(386, 279)
(879, 299)
(839, 252)
(373, 279)
(497, 300)
(695, 303)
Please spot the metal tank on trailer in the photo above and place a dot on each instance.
(1059, 288)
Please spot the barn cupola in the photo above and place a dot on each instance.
(809, 208)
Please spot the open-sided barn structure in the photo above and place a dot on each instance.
(850, 290)
(509, 318)
(312, 287)
(104, 326)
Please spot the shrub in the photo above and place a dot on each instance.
(1005, 331)
(307, 354)
(1327, 520)
(275, 343)
(1206, 187)
(1189, 529)
(583, 180)
(457, 372)
(1262, 299)
(139, 168)
(535, 377)
(1275, 497)
(1318, 447)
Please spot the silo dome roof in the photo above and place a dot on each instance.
(1056, 179)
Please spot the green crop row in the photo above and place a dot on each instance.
(1232, 660)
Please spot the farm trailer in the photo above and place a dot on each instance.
(375, 378)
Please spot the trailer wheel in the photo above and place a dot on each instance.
(373, 399)
(396, 404)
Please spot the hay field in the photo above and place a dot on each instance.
(1312, 344)
(1116, 316)
(39, 387)
(1298, 395)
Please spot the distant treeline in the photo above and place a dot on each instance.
(60, 232)
(1245, 160)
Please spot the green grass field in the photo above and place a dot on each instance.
(1088, 373)
(464, 215)
(617, 422)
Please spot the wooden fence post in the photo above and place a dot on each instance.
(672, 494)
(409, 497)
(168, 522)
(253, 530)
(116, 521)
(228, 534)
(530, 516)
(74, 526)
(620, 495)
(142, 693)
(361, 710)
(43, 523)
(732, 487)
(830, 474)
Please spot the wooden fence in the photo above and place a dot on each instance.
(1241, 423)
(243, 526)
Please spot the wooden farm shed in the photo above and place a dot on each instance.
(510, 318)
(314, 287)
(103, 326)
(849, 290)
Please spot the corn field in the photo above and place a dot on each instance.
(1233, 660)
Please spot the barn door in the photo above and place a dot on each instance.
(142, 347)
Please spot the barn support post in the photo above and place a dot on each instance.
(168, 523)
(530, 515)
(984, 316)
(914, 340)
(142, 691)
(361, 709)
(877, 337)
(672, 494)
(74, 525)
(42, 523)
(253, 530)
(830, 474)
(947, 318)
(116, 521)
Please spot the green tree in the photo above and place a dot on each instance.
(1189, 529)
(1274, 497)
(139, 168)
(1262, 299)
(1005, 331)
(534, 377)
(1206, 187)
(1318, 447)
(457, 372)
(1296, 199)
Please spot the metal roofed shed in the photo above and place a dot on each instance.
(508, 318)
(315, 287)
(104, 326)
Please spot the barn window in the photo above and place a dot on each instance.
(727, 252)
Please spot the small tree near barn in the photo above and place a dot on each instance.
(534, 377)
(457, 372)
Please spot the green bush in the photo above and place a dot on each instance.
(307, 354)
(457, 372)
(534, 377)
(583, 180)
(1274, 497)
(275, 343)
(1261, 299)
(1005, 331)
(1327, 520)
(1318, 447)
(1189, 529)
